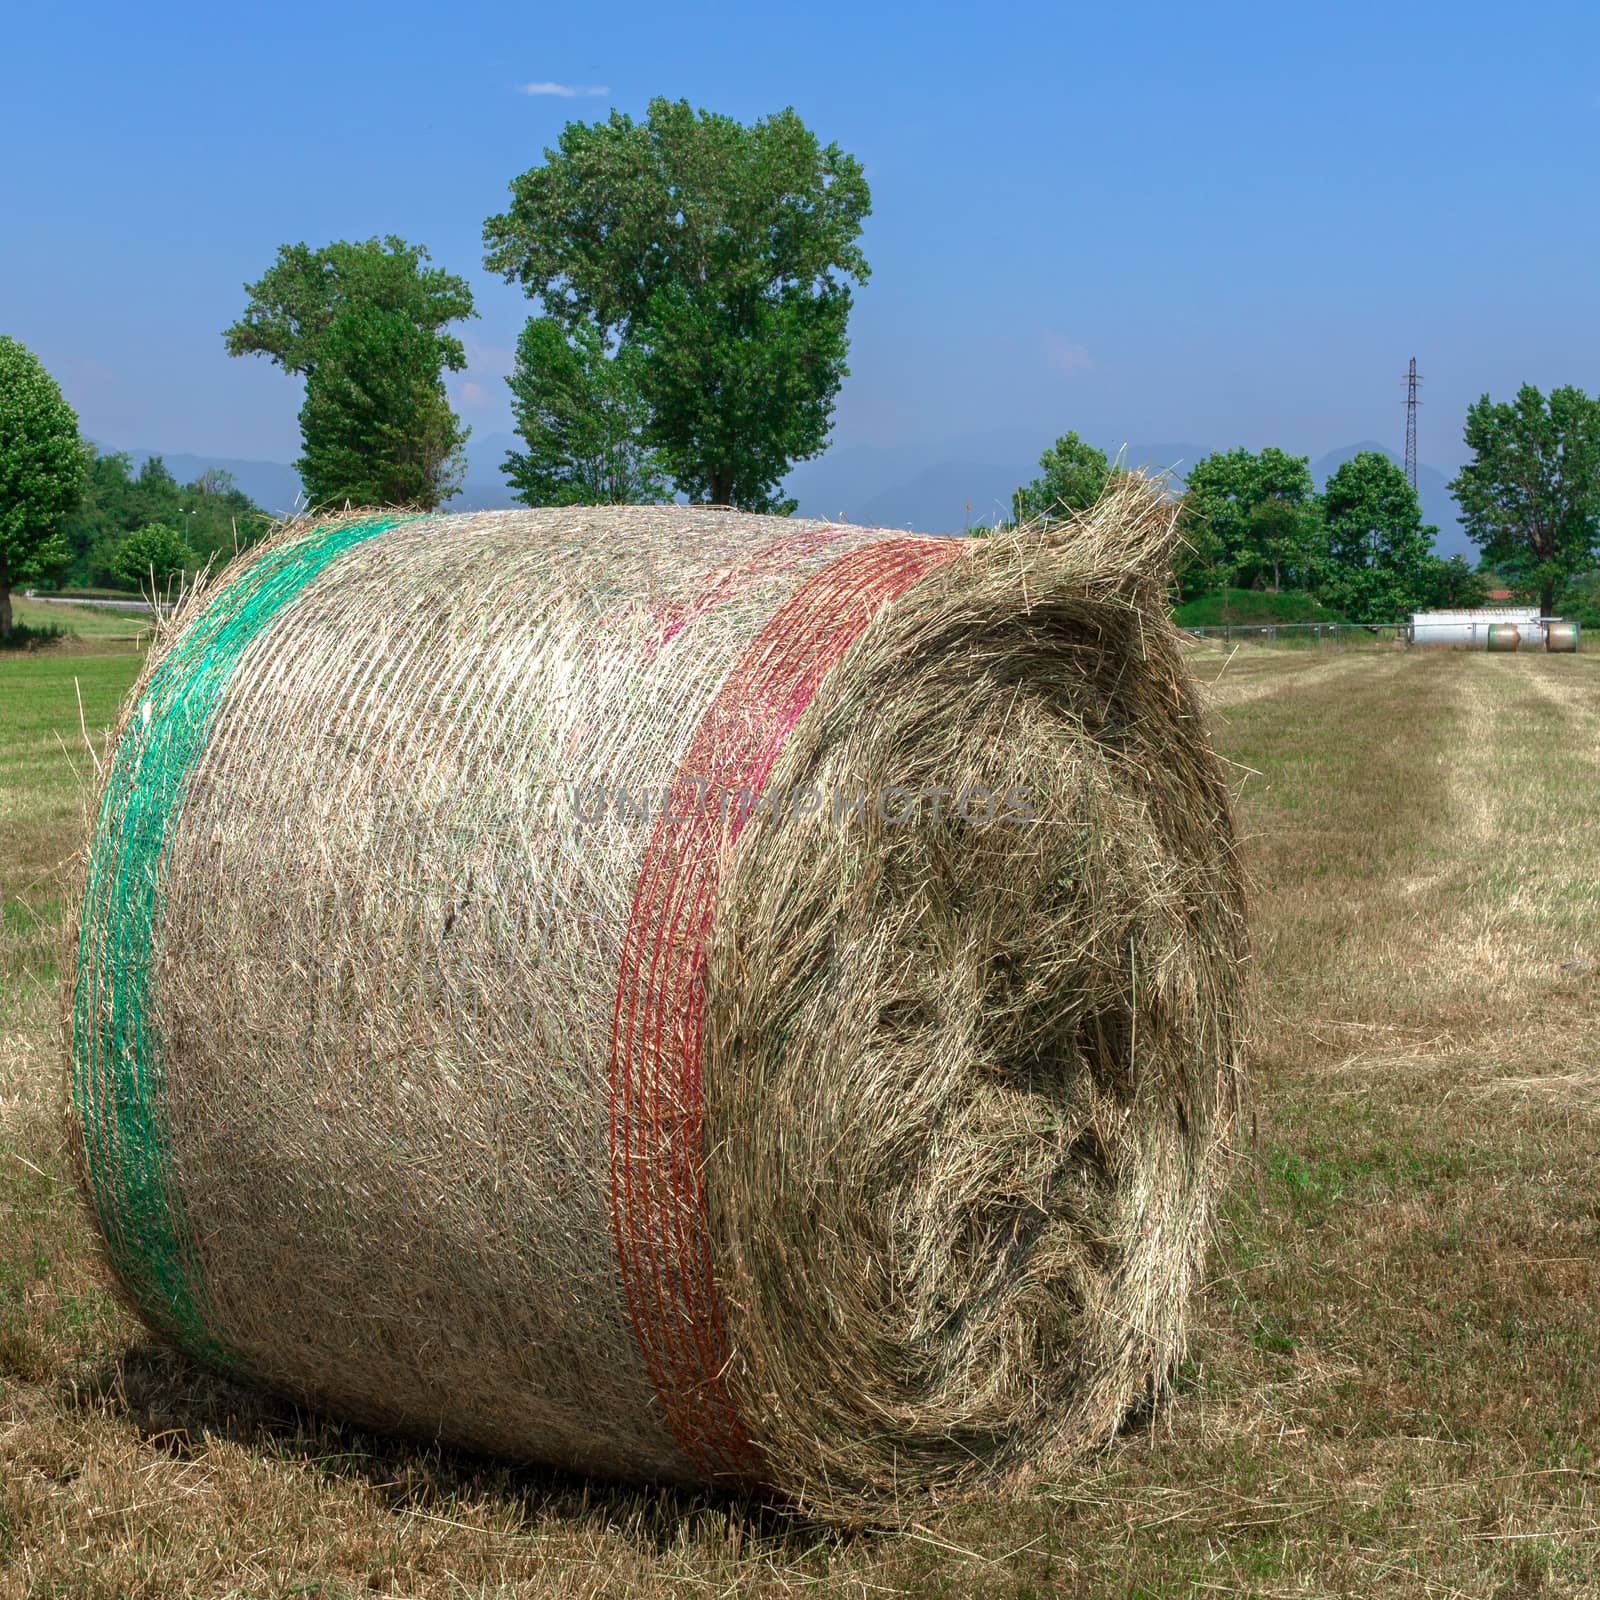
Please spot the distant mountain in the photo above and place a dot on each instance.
(1438, 507)
(485, 487)
(940, 486)
(947, 486)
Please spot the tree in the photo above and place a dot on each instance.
(1227, 487)
(1381, 560)
(151, 557)
(1197, 567)
(739, 392)
(1579, 601)
(1453, 585)
(41, 471)
(579, 411)
(1530, 496)
(1073, 475)
(1285, 539)
(216, 517)
(376, 424)
(296, 300)
(719, 252)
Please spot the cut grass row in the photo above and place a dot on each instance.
(1394, 1387)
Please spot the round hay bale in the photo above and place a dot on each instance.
(1561, 637)
(670, 993)
(1504, 638)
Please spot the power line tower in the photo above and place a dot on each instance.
(1412, 380)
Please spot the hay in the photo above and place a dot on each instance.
(805, 1124)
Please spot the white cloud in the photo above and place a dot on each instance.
(474, 396)
(563, 91)
(1064, 356)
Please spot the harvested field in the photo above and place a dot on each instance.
(1393, 1386)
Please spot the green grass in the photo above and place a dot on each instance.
(1393, 1385)
(87, 592)
(1253, 608)
(82, 622)
(45, 771)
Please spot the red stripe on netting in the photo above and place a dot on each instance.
(658, 1203)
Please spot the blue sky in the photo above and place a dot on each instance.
(1224, 224)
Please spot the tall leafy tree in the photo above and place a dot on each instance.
(1286, 545)
(724, 254)
(1380, 553)
(581, 416)
(295, 301)
(1226, 489)
(1530, 496)
(41, 471)
(376, 423)
(1072, 476)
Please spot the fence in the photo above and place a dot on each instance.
(1306, 635)
(1466, 635)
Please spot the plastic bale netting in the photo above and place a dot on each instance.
(675, 994)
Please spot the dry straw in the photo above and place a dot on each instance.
(671, 993)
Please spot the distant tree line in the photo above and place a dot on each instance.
(1529, 499)
(71, 516)
(694, 279)
(130, 528)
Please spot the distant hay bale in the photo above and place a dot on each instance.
(669, 993)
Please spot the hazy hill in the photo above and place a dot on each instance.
(935, 487)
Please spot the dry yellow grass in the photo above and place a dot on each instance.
(1394, 1387)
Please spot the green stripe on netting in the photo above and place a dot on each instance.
(116, 1048)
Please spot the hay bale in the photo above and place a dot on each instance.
(550, 981)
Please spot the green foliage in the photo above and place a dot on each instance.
(1253, 608)
(41, 470)
(1381, 560)
(740, 391)
(717, 251)
(580, 413)
(1530, 496)
(1579, 599)
(214, 517)
(1251, 510)
(376, 426)
(1286, 545)
(1072, 476)
(295, 302)
(151, 556)
(1453, 585)
(1197, 556)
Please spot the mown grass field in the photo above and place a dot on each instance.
(82, 626)
(1394, 1385)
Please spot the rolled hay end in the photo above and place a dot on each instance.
(669, 993)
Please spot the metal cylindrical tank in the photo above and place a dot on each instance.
(1561, 636)
(1471, 627)
(1504, 637)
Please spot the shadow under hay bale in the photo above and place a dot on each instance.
(672, 994)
